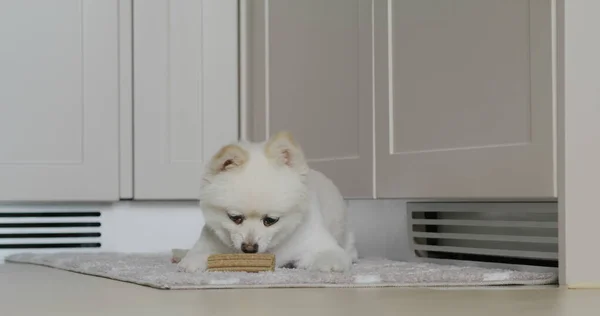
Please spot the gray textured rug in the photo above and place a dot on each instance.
(157, 271)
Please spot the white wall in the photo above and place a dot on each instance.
(381, 228)
(578, 101)
(150, 226)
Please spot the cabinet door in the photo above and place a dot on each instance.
(309, 71)
(185, 92)
(59, 98)
(464, 99)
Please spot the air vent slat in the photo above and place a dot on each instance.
(524, 239)
(490, 252)
(53, 246)
(532, 209)
(8, 220)
(9, 241)
(34, 225)
(49, 230)
(49, 235)
(484, 223)
(48, 214)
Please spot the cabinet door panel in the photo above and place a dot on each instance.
(310, 72)
(59, 100)
(464, 99)
(185, 92)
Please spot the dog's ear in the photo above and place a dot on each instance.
(284, 151)
(227, 158)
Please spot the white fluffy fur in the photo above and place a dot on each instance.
(272, 178)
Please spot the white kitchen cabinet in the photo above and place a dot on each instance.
(104, 100)
(464, 99)
(59, 100)
(119, 99)
(185, 92)
(408, 98)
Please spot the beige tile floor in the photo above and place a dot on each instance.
(32, 290)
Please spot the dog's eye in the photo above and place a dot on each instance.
(237, 219)
(268, 221)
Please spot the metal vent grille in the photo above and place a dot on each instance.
(515, 234)
(50, 230)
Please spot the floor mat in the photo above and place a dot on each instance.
(157, 271)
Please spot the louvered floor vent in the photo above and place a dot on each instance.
(521, 234)
(35, 231)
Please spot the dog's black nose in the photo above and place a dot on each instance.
(249, 248)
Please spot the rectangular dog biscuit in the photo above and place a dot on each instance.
(241, 262)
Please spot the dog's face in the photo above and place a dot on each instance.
(254, 195)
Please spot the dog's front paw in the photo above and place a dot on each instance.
(329, 261)
(192, 263)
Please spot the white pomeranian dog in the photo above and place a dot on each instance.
(263, 198)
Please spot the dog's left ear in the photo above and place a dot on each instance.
(282, 148)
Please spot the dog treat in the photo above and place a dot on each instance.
(241, 262)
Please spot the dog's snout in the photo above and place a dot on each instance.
(249, 248)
